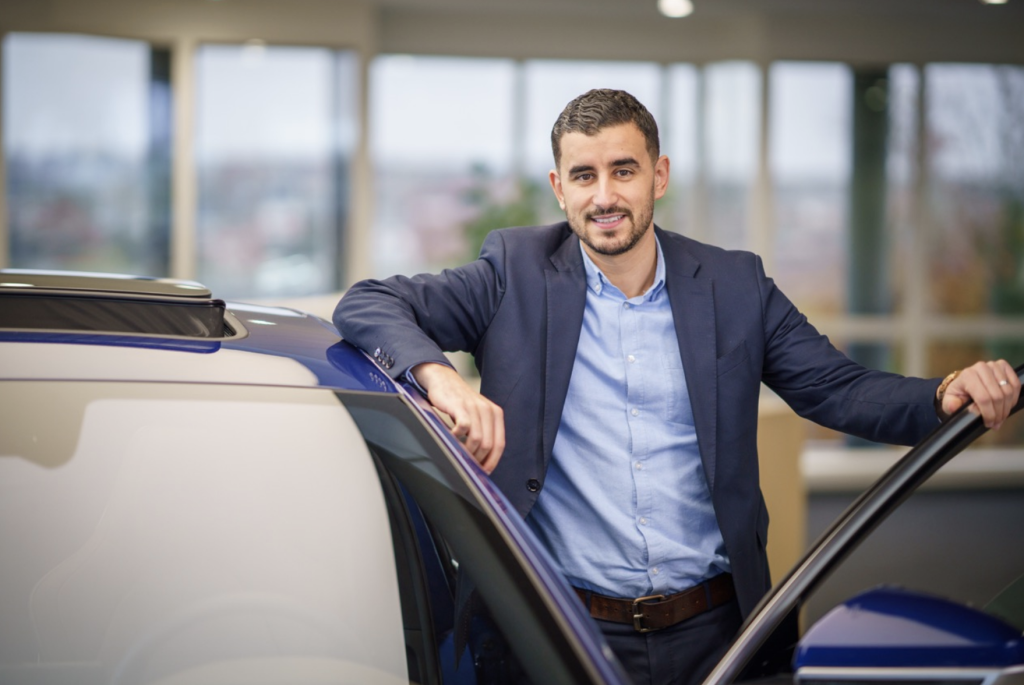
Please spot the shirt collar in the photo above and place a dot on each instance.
(597, 281)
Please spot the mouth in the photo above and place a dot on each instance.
(609, 220)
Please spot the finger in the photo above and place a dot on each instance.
(1009, 383)
(485, 427)
(1001, 393)
(490, 460)
(469, 422)
(984, 386)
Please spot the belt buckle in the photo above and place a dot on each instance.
(638, 616)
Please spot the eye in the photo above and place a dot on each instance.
(583, 178)
(623, 173)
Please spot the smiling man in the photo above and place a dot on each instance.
(620, 369)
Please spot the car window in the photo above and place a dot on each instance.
(486, 620)
(171, 533)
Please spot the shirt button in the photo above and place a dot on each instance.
(643, 521)
(625, 305)
(655, 571)
(630, 359)
(639, 466)
(533, 485)
(634, 412)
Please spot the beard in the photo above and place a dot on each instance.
(638, 226)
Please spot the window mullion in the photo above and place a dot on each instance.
(183, 167)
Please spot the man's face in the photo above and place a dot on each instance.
(607, 184)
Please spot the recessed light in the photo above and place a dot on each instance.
(994, 2)
(675, 8)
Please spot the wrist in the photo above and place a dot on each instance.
(429, 373)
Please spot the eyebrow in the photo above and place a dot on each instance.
(582, 168)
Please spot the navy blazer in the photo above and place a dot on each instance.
(519, 309)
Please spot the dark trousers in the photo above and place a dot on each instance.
(682, 654)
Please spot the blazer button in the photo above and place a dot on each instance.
(533, 485)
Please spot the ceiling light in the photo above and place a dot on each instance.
(676, 8)
(994, 2)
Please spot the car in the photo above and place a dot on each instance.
(201, 492)
(196, 491)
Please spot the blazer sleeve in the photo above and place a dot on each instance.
(405, 321)
(822, 384)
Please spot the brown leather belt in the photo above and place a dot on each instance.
(655, 612)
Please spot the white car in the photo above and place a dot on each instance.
(197, 492)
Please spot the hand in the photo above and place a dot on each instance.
(479, 423)
(993, 386)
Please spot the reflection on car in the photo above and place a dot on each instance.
(196, 491)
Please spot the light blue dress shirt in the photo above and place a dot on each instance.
(625, 510)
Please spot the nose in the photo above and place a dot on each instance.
(605, 194)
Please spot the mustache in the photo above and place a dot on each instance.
(603, 211)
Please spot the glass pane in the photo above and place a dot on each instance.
(732, 105)
(811, 139)
(443, 145)
(976, 198)
(678, 210)
(175, 533)
(276, 129)
(86, 140)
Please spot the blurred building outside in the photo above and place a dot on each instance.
(887, 201)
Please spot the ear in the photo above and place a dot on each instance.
(556, 185)
(661, 173)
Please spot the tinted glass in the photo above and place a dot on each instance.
(155, 532)
(467, 591)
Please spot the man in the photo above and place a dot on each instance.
(626, 363)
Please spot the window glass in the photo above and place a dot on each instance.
(87, 145)
(732, 96)
(487, 607)
(191, 533)
(976, 196)
(442, 144)
(275, 133)
(810, 144)
(679, 210)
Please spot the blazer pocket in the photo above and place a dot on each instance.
(733, 358)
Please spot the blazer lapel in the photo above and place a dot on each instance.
(566, 297)
(693, 311)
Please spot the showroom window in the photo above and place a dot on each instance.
(87, 130)
(810, 156)
(443, 155)
(276, 129)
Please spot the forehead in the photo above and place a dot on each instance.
(610, 144)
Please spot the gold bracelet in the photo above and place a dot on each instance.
(941, 392)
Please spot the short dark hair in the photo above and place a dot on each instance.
(598, 109)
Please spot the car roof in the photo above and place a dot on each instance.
(84, 326)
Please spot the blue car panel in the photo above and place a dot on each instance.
(898, 627)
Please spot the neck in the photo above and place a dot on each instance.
(631, 272)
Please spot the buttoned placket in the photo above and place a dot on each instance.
(637, 364)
